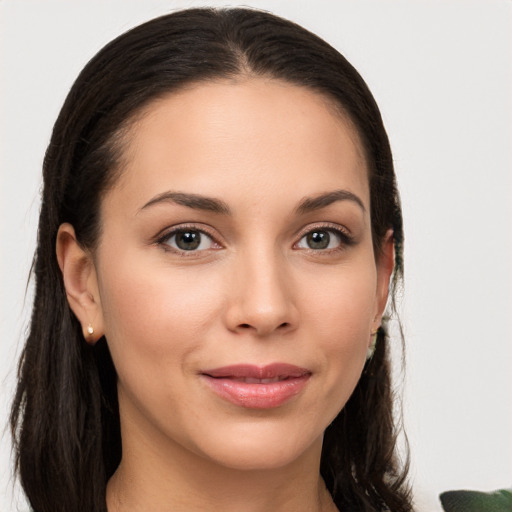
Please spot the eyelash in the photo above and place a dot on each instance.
(162, 239)
(346, 240)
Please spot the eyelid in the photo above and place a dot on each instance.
(326, 226)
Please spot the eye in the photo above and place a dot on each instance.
(321, 239)
(188, 240)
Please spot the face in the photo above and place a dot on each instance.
(236, 279)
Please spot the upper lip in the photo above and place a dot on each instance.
(250, 371)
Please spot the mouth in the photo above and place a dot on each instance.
(257, 387)
(251, 380)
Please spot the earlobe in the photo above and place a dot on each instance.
(385, 266)
(80, 281)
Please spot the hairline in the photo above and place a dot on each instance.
(120, 139)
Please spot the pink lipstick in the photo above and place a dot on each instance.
(257, 387)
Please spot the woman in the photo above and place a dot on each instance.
(219, 230)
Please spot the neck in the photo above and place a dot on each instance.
(165, 477)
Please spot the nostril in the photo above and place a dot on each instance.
(284, 325)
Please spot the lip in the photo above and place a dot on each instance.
(257, 387)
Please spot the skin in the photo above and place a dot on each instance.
(254, 292)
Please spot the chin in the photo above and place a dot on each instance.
(261, 447)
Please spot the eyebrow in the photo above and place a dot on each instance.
(310, 204)
(194, 201)
(211, 204)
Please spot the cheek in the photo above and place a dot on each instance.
(340, 312)
(343, 301)
(154, 314)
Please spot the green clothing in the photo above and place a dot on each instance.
(475, 501)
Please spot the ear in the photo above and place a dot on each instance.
(385, 265)
(80, 281)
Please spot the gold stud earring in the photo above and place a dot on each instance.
(373, 344)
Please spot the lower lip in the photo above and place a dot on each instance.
(257, 396)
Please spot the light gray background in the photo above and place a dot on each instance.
(442, 75)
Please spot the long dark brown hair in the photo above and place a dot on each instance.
(65, 418)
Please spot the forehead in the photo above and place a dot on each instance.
(239, 136)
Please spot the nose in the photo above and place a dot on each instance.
(262, 299)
